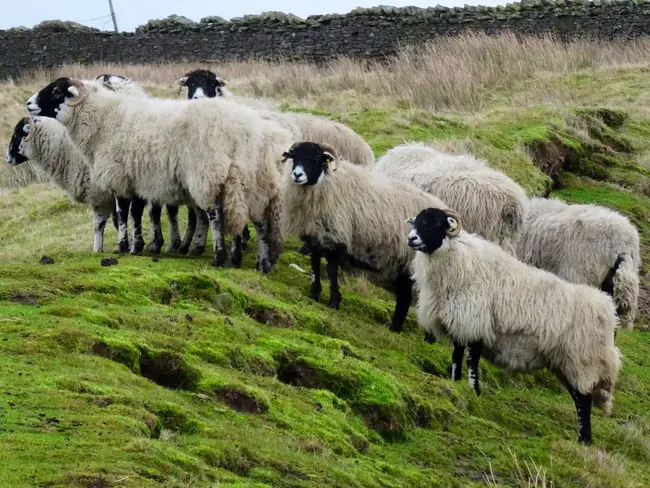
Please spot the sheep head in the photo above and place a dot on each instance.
(432, 228)
(311, 162)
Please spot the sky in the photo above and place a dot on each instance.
(132, 13)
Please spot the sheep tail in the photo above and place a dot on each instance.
(625, 289)
(603, 396)
(235, 208)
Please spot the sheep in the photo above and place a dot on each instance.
(520, 317)
(352, 216)
(585, 244)
(45, 142)
(127, 86)
(217, 153)
(492, 205)
(347, 143)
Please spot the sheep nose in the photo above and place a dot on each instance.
(296, 175)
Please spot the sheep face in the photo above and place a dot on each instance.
(310, 162)
(110, 79)
(17, 152)
(47, 102)
(431, 228)
(202, 83)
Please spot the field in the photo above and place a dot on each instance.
(172, 373)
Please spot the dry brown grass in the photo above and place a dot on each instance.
(450, 73)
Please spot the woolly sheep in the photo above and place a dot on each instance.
(585, 244)
(45, 142)
(521, 318)
(491, 204)
(217, 153)
(353, 217)
(348, 144)
(128, 86)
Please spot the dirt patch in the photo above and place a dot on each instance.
(168, 369)
(241, 401)
(24, 298)
(388, 426)
(298, 373)
(552, 156)
(270, 316)
(432, 369)
(103, 401)
(80, 481)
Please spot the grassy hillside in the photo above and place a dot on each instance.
(168, 372)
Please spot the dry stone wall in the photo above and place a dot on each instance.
(368, 33)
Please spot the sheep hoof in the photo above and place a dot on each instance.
(196, 251)
(174, 246)
(123, 247)
(184, 249)
(264, 266)
(154, 247)
(138, 247)
(314, 293)
(334, 303)
(393, 327)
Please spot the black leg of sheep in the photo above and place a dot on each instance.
(245, 237)
(457, 361)
(315, 288)
(174, 234)
(123, 207)
(215, 217)
(157, 240)
(333, 263)
(137, 209)
(403, 299)
(583, 409)
(201, 235)
(473, 359)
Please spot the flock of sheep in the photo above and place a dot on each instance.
(526, 283)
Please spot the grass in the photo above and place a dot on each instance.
(172, 373)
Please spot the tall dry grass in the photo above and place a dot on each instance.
(450, 73)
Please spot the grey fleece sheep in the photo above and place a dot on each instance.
(351, 216)
(45, 142)
(521, 318)
(586, 244)
(491, 204)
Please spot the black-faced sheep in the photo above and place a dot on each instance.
(585, 244)
(350, 215)
(218, 154)
(519, 317)
(45, 142)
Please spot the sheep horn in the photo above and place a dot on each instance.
(453, 231)
(81, 96)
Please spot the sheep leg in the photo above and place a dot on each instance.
(215, 217)
(473, 358)
(236, 253)
(190, 229)
(457, 361)
(305, 249)
(137, 209)
(404, 297)
(269, 238)
(245, 237)
(583, 408)
(263, 262)
(201, 234)
(333, 263)
(316, 288)
(174, 234)
(123, 206)
(100, 217)
(157, 239)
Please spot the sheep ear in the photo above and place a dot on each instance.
(410, 220)
(286, 155)
(454, 224)
(182, 81)
(221, 82)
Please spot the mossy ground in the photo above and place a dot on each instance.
(173, 373)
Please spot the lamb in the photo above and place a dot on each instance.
(45, 142)
(127, 86)
(585, 244)
(217, 153)
(352, 216)
(521, 318)
(492, 205)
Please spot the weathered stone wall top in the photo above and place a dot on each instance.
(364, 32)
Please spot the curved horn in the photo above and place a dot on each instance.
(80, 95)
(329, 150)
(182, 81)
(454, 222)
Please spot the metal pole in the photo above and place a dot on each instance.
(110, 5)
